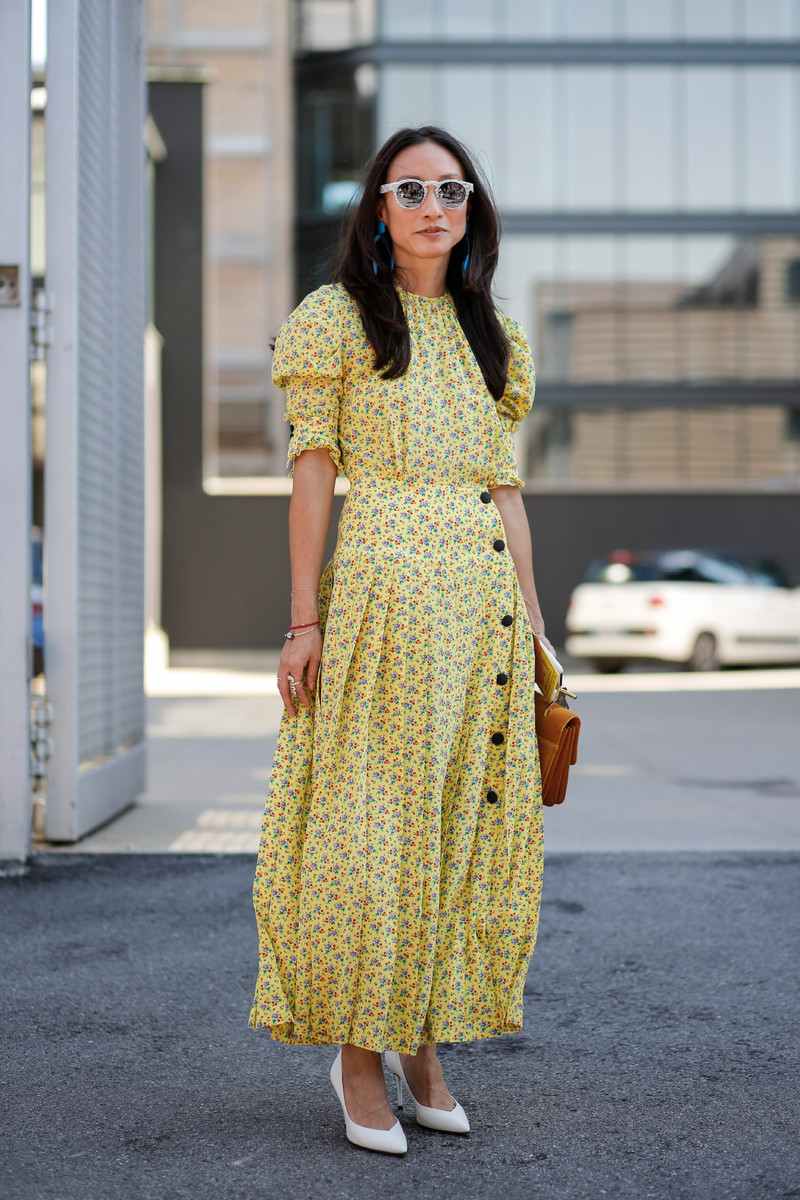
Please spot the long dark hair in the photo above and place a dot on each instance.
(379, 304)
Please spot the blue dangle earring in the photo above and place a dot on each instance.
(465, 263)
(382, 233)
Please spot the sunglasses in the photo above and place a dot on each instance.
(411, 193)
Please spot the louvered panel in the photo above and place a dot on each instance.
(95, 454)
(96, 392)
(129, 307)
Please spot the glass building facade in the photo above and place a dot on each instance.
(645, 158)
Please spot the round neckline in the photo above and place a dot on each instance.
(423, 299)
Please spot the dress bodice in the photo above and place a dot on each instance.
(438, 422)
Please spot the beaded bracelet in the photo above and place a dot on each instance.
(291, 634)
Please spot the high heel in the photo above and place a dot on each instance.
(447, 1120)
(391, 1141)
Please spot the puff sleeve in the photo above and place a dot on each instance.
(307, 366)
(514, 404)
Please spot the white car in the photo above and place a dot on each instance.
(700, 608)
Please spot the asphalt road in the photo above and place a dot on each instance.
(660, 1051)
(659, 1056)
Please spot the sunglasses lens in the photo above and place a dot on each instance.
(453, 193)
(410, 193)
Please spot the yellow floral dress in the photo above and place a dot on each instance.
(399, 873)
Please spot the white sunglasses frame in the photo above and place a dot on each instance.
(426, 183)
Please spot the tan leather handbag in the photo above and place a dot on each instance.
(557, 729)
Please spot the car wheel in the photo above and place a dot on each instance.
(608, 666)
(705, 654)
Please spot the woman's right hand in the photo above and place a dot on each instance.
(300, 657)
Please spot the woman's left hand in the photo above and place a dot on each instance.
(537, 625)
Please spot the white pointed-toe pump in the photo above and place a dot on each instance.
(391, 1141)
(448, 1120)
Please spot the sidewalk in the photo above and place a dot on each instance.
(659, 1056)
(667, 761)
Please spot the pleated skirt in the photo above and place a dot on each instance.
(399, 873)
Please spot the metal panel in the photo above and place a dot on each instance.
(597, 52)
(94, 540)
(748, 393)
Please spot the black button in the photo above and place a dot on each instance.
(499, 544)
(498, 739)
(502, 677)
(486, 497)
(507, 619)
(491, 796)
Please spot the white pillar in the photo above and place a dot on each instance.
(15, 443)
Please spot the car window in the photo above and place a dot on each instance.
(724, 568)
(687, 566)
(688, 574)
(601, 570)
(682, 566)
(766, 573)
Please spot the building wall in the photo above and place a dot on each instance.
(248, 187)
(656, 332)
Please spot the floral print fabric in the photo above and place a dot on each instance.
(399, 873)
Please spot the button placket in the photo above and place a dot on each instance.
(497, 737)
(501, 679)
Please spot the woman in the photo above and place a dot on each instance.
(399, 872)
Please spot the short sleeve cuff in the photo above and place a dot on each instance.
(503, 469)
(305, 437)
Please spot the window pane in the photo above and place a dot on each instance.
(710, 139)
(711, 19)
(470, 18)
(771, 18)
(586, 169)
(468, 105)
(529, 180)
(648, 162)
(407, 96)
(535, 19)
(410, 19)
(650, 19)
(587, 19)
(771, 148)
